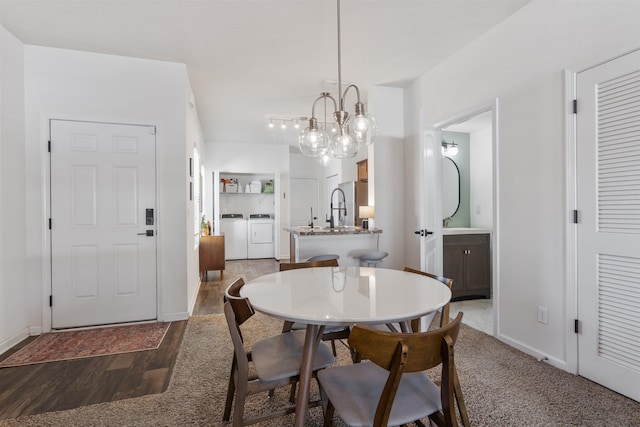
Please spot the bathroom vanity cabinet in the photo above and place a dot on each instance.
(467, 260)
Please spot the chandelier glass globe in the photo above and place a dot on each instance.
(313, 141)
(363, 127)
(343, 146)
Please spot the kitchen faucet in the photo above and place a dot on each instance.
(339, 209)
(312, 218)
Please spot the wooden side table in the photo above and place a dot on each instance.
(211, 255)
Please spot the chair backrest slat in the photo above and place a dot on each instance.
(308, 264)
(423, 347)
(242, 308)
(398, 362)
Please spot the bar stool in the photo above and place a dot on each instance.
(373, 258)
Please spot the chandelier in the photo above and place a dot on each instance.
(350, 131)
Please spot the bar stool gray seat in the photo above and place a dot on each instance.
(323, 257)
(373, 258)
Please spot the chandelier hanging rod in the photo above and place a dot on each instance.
(352, 130)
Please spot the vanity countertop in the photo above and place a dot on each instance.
(465, 230)
(326, 231)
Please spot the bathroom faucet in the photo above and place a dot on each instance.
(339, 209)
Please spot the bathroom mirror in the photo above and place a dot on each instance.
(450, 187)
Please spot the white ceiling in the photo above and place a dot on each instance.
(248, 59)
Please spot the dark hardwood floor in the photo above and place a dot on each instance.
(54, 386)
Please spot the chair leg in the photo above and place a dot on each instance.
(230, 392)
(328, 415)
(457, 391)
(286, 327)
(292, 393)
(238, 411)
(333, 348)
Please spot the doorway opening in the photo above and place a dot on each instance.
(468, 215)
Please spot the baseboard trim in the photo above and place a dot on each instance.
(13, 340)
(553, 361)
(173, 317)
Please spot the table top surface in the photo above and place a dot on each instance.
(346, 295)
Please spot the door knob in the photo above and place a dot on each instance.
(423, 232)
(146, 233)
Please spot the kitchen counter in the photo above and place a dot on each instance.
(347, 242)
(323, 231)
(465, 230)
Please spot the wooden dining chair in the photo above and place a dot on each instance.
(331, 333)
(444, 320)
(444, 313)
(392, 387)
(276, 360)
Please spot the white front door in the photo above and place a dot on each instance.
(103, 204)
(608, 246)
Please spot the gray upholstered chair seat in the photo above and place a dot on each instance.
(355, 391)
(279, 356)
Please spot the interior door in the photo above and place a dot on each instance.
(608, 236)
(304, 201)
(431, 202)
(423, 247)
(103, 243)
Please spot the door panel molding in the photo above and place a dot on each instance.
(90, 215)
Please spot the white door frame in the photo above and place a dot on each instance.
(495, 232)
(571, 236)
(45, 167)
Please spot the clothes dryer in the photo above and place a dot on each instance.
(260, 241)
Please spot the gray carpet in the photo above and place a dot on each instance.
(502, 387)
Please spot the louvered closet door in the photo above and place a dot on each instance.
(608, 167)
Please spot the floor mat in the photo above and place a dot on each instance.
(77, 344)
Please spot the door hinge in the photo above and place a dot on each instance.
(576, 326)
(153, 130)
(575, 216)
(49, 223)
(49, 146)
(575, 106)
(50, 300)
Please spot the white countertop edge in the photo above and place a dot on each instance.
(465, 230)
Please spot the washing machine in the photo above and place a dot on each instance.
(260, 236)
(234, 228)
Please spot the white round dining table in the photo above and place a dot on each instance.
(329, 296)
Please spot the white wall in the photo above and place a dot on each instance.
(386, 172)
(481, 178)
(194, 138)
(13, 316)
(521, 62)
(252, 158)
(71, 84)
